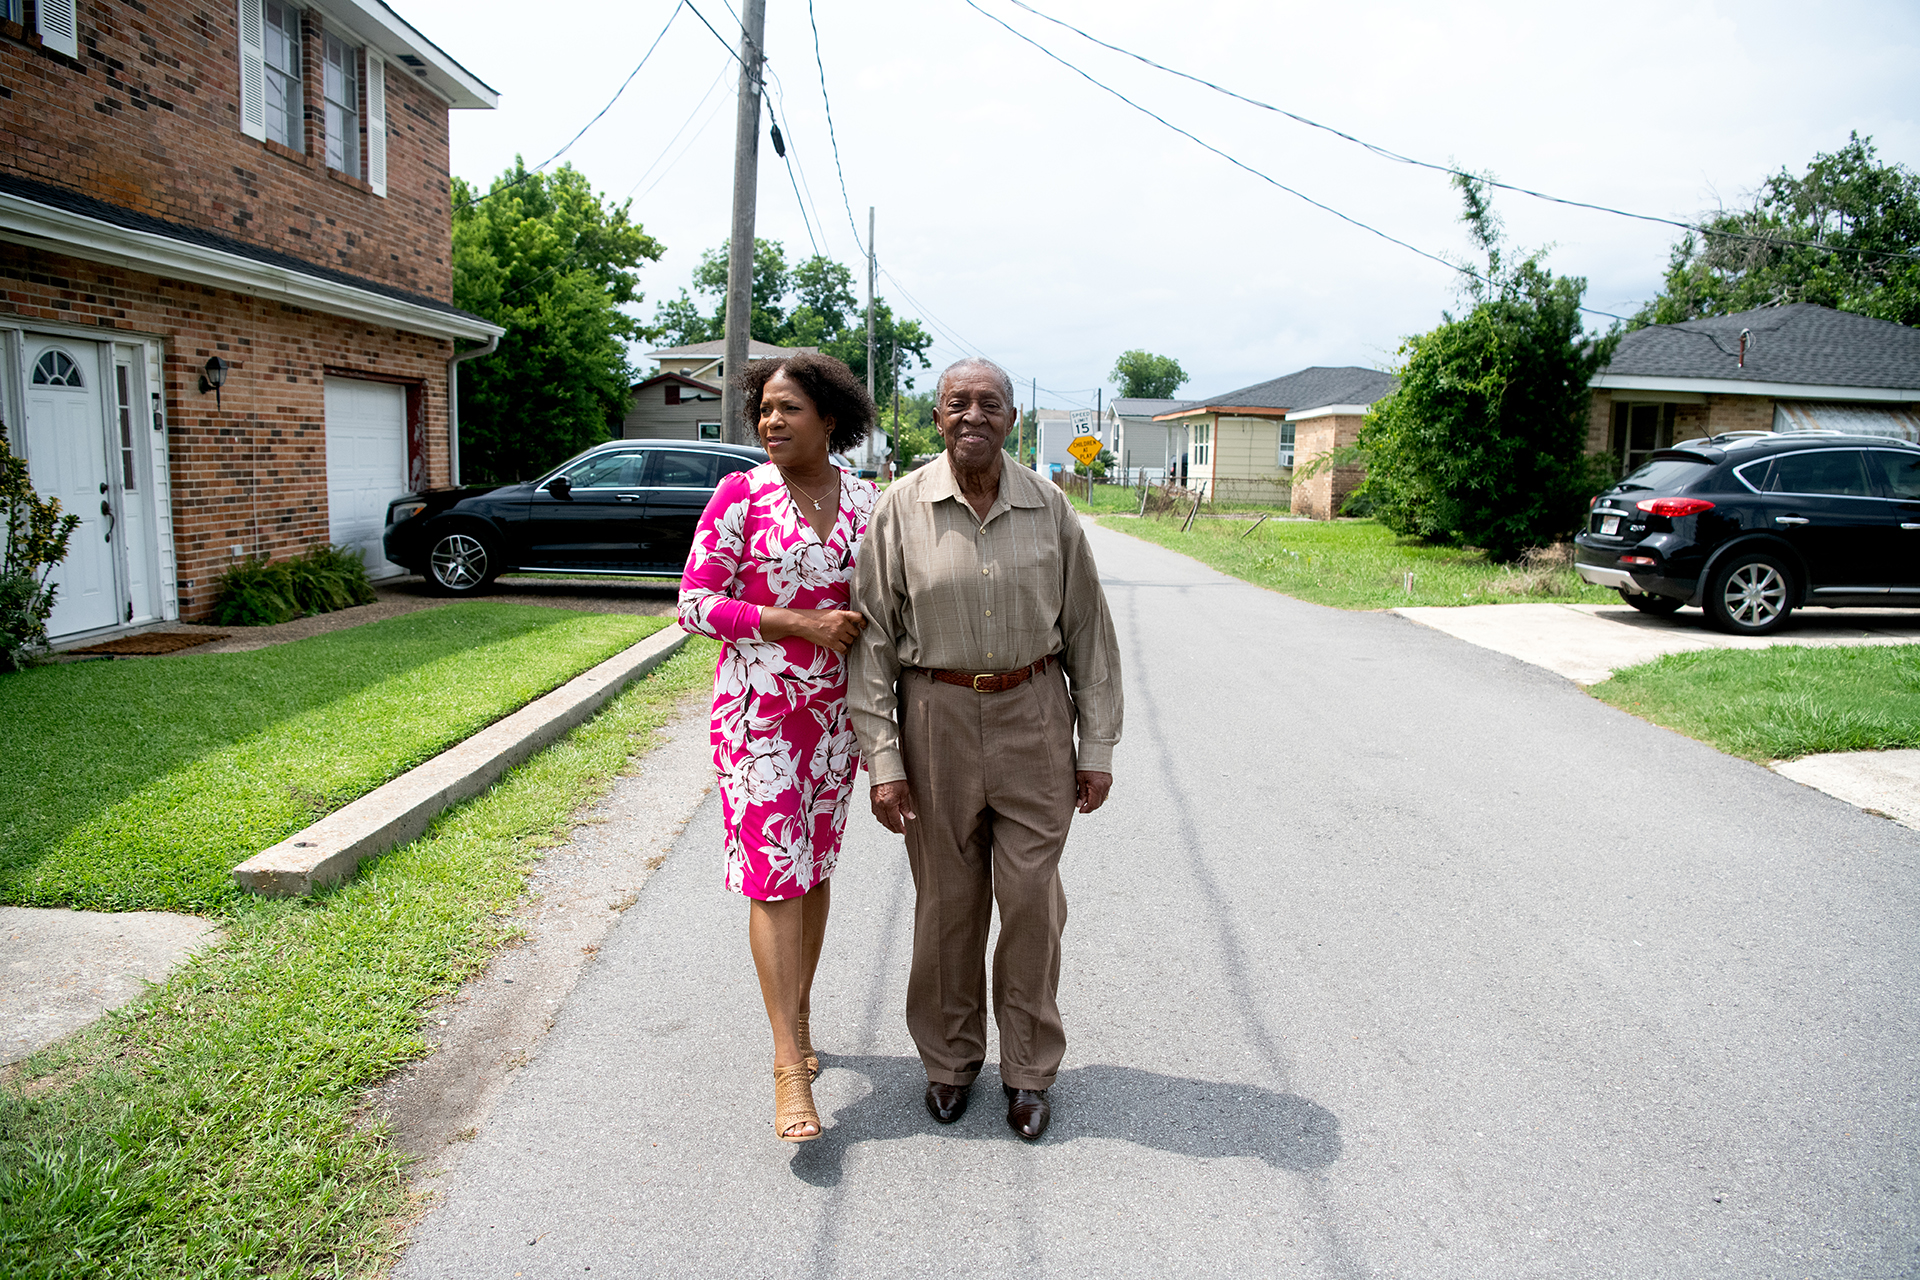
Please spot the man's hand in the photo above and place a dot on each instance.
(1091, 789)
(893, 805)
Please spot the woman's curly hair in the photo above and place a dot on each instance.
(835, 393)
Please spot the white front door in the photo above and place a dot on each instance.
(366, 465)
(67, 459)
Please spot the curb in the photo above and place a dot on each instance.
(332, 849)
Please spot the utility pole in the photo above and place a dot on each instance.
(1098, 413)
(870, 263)
(746, 177)
(893, 440)
(1033, 411)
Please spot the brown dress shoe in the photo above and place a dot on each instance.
(947, 1102)
(1027, 1111)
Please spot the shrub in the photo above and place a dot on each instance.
(35, 540)
(259, 592)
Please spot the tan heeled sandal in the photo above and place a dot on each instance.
(806, 1049)
(793, 1103)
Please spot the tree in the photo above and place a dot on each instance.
(546, 258)
(1145, 376)
(809, 305)
(1862, 212)
(914, 435)
(1484, 440)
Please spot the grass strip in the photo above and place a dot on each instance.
(1358, 564)
(138, 785)
(1780, 702)
(212, 1129)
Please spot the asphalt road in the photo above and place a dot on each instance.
(1390, 956)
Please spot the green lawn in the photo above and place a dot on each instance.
(1356, 564)
(138, 784)
(217, 1127)
(1781, 702)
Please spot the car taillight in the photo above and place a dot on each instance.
(1674, 508)
(1646, 560)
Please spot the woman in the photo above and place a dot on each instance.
(769, 575)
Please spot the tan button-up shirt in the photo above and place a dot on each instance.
(941, 587)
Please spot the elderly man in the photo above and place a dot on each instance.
(988, 638)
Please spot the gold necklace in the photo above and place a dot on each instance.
(795, 485)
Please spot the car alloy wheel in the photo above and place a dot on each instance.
(460, 563)
(1750, 596)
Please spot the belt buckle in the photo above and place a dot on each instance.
(977, 679)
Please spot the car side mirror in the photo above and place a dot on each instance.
(560, 487)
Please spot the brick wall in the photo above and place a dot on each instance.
(148, 119)
(252, 473)
(1320, 495)
(1690, 421)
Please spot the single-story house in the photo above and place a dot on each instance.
(1793, 368)
(672, 406)
(1244, 445)
(1053, 431)
(1139, 443)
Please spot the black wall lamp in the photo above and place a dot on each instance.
(213, 377)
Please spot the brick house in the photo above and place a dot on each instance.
(1245, 445)
(1788, 368)
(247, 182)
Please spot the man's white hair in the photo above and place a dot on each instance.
(975, 362)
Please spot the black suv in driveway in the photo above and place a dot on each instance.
(626, 507)
(1751, 525)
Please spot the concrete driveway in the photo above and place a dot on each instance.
(1587, 643)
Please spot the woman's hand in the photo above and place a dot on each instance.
(834, 629)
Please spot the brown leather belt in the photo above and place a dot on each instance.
(986, 681)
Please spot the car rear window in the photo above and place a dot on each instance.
(673, 469)
(1667, 473)
(1833, 472)
(1897, 471)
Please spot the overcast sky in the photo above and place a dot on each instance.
(1027, 214)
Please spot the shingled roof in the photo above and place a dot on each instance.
(1796, 344)
(1140, 407)
(1312, 388)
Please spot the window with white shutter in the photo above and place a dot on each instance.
(11, 10)
(253, 75)
(376, 123)
(55, 21)
(282, 39)
(340, 87)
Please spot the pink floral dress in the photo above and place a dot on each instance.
(782, 743)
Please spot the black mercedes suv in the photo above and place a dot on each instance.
(625, 507)
(1752, 525)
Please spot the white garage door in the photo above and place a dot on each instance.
(366, 464)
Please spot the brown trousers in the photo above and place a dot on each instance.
(993, 785)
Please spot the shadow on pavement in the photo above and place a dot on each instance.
(1206, 1118)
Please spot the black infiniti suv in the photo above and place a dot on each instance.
(1751, 525)
(625, 507)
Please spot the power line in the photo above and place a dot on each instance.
(1387, 154)
(1448, 263)
(596, 118)
(716, 35)
(831, 136)
(1237, 163)
(688, 123)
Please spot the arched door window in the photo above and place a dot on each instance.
(55, 368)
